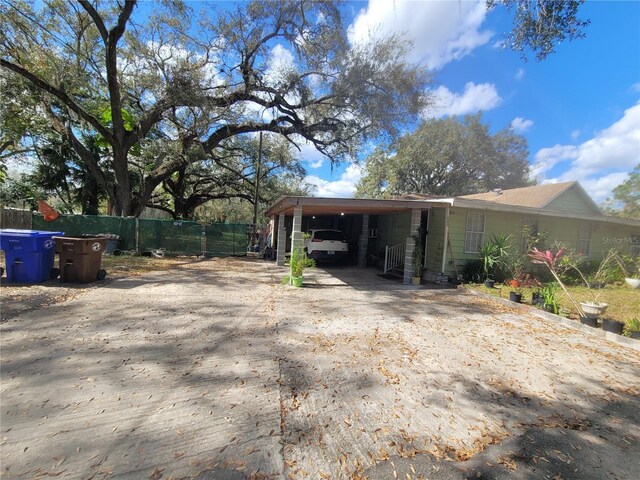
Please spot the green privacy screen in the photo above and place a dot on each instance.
(176, 237)
(91, 224)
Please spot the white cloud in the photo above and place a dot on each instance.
(344, 187)
(520, 74)
(575, 134)
(309, 155)
(601, 188)
(280, 64)
(440, 31)
(521, 125)
(474, 98)
(599, 163)
(635, 87)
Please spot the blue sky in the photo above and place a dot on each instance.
(579, 109)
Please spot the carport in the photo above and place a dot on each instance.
(357, 218)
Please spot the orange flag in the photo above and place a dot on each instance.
(49, 213)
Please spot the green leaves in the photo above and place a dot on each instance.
(447, 157)
(106, 118)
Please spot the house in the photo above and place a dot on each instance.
(382, 230)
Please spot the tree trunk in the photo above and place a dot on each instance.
(123, 200)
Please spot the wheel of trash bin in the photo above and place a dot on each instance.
(102, 273)
(116, 253)
(54, 273)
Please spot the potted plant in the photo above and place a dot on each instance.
(588, 311)
(613, 326)
(630, 267)
(418, 259)
(515, 295)
(492, 254)
(548, 298)
(633, 327)
(297, 264)
(537, 300)
(593, 308)
(552, 262)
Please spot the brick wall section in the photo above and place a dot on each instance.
(363, 241)
(408, 256)
(282, 241)
(297, 239)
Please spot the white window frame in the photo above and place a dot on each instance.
(584, 239)
(475, 220)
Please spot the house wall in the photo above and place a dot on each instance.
(604, 236)
(570, 201)
(435, 239)
(392, 229)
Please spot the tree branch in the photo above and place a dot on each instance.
(97, 20)
(62, 96)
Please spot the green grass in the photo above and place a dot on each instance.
(624, 302)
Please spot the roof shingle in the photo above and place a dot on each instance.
(537, 196)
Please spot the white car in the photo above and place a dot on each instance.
(327, 245)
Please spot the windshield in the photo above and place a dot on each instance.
(329, 235)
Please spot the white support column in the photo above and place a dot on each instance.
(446, 241)
(282, 241)
(297, 240)
(410, 245)
(363, 241)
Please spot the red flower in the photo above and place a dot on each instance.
(546, 258)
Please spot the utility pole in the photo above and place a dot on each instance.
(256, 193)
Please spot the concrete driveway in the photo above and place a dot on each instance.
(215, 370)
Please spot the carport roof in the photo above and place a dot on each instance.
(332, 206)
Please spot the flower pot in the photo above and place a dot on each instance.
(633, 282)
(589, 322)
(536, 299)
(593, 310)
(489, 283)
(612, 326)
(296, 281)
(635, 334)
(415, 280)
(515, 297)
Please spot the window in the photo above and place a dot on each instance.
(474, 233)
(584, 239)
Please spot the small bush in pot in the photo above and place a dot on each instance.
(632, 327)
(548, 294)
(297, 264)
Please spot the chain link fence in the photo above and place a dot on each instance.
(174, 237)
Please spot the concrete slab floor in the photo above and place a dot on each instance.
(216, 370)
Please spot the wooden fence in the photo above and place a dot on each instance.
(15, 218)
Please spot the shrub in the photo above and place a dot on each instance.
(473, 271)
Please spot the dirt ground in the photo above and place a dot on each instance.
(16, 298)
(213, 369)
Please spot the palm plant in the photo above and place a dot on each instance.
(493, 253)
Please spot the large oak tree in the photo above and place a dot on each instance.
(447, 157)
(110, 71)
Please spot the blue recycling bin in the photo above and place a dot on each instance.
(29, 255)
